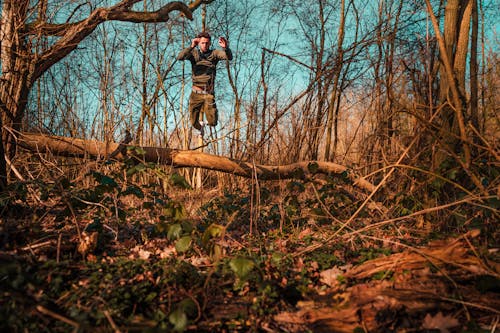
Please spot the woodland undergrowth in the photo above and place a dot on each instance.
(132, 247)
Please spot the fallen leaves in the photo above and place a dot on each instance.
(332, 277)
(440, 322)
(88, 242)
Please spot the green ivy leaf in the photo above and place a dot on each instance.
(313, 167)
(136, 150)
(189, 307)
(178, 318)
(179, 181)
(175, 210)
(276, 258)
(187, 226)
(183, 244)
(216, 252)
(174, 231)
(134, 190)
(180, 213)
(213, 230)
(452, 174)
(151, 296)
(241, 266)
(135, 169)
(108, 181)
(296, 186)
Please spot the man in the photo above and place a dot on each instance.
(203, 63)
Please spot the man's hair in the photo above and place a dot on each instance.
(204, 34)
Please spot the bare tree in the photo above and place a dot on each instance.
(22, 64)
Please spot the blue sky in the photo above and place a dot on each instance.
(258, 25)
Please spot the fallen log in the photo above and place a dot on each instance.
(66, 146)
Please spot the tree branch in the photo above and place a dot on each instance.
(288, 57)
(120, 12)
(73, 33)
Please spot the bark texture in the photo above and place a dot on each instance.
(453, 46)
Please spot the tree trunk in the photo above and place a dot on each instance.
(462, 45)
(16, 68)
(185, 158)
(333, 107)
(456, 31)
(317, 129)
(474, 86)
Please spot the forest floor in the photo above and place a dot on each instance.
(291, 256)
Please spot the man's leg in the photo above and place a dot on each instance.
(210, 109)
(196, 103)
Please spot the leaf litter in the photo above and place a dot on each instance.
(161, 266)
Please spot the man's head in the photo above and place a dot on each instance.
(204, 41)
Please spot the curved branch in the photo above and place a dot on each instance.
(73, 33)
(64, 146)
(120, 12)
(161, 15)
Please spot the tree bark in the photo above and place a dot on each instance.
(15, 78)
(462, 45)
(333, 106)
(454, 114)
(474, 86)
(62, 146)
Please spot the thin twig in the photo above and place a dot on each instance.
(488, 145)
(111, 321)
(21, 178)
(479, 306)
(430, 173)
(57, 316)
(495, 324)
(420, 212)
(36, 246)
(58, 252)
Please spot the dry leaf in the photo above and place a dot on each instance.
(144, 255)
(305, 232)
(330, 276)
(299, 265)
(440, 322)
(88, 243)
(167, 252)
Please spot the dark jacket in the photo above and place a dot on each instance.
(204, 65)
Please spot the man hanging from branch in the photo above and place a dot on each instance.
(203, 63)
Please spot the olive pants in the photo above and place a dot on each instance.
(200, 104)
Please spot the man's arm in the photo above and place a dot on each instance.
(226, 53)
(186, 53)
